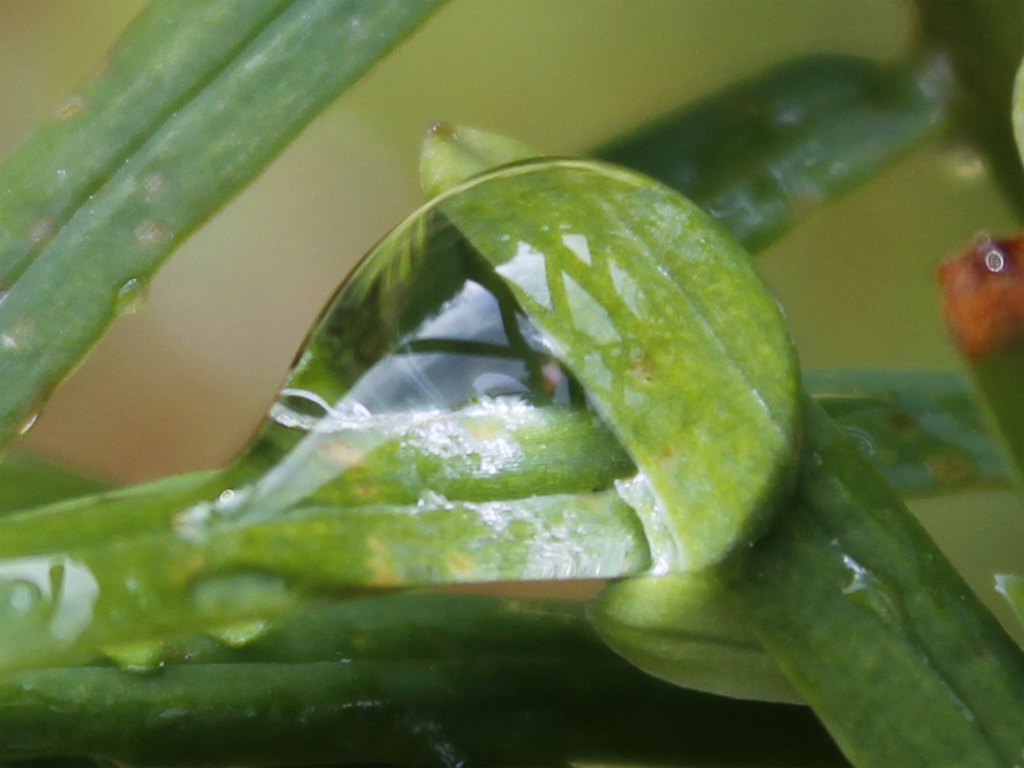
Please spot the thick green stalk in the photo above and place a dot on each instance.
(189, 165)
(873, 625)
(405, 679)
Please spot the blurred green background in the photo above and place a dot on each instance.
(182, 383)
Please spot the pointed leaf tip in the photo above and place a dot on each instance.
(452, 153)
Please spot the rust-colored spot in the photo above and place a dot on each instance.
(484, 429)
(460, 564)
(640, 366)
(902, 422)
(70, 108)
(948, 467)
(344, 455)
(100, 68)
(984, 295)
(380, 562)
(551, 374)
(192, 566)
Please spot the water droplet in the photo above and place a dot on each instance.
(865, 442)
(139, 658)
(866, 590)
(61, 173)
(55, 589)
(28, 423)
(7, 341)
(432, 500)
(241, 633)
(666, 549)
(526, 269)
(19, 598)
(131, 297)
(625, 286)
(965, 164)
(587, 313)
(241, 593)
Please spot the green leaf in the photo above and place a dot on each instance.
(484, 679)
(921, 430)
(28, 481)
(763, 153)
(177, 172)
(138, 86)
(454, 154)
(687, 357)
(866, 616)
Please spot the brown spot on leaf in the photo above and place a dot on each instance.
(460, 564)
(380, 562)
(984, 295)
(70, 108)
(948, 467)
(901, 422)
(640, 366)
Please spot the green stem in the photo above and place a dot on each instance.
(867, 617)
(405, 679)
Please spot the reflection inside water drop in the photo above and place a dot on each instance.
(54, 590)
(424, 323)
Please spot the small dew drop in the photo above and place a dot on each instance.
(28, 423)
(995, 261)
(131, 297)
(865, 442)
(965, 164)
(8, 342)
(139, 658)
(61, 173)
(242, 633)
(20, 598)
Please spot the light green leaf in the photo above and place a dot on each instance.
(661, 316)
(163, 177)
